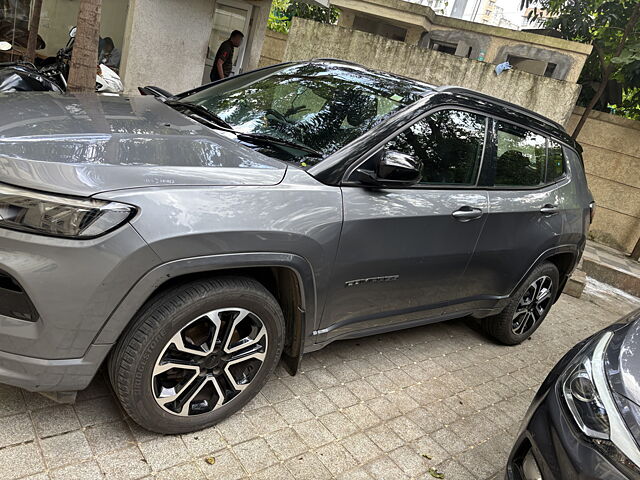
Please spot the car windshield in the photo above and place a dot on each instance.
(319, 106)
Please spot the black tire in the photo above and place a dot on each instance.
(504, 327)
(132, 362)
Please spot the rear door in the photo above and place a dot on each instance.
(528, 193)
(403, 251)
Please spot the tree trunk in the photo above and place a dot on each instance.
(84, 61)
(34, 26)
(592, 103)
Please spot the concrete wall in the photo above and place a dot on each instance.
(612, 162)
(160, 33)
(273, 48)
(552, 98)
(58, 16)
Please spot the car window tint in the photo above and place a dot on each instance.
(449, 144)
(555, 162)
(520, 156)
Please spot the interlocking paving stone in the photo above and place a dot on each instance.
(255, 455)
(80, 471)
(226, 466)
(186, 471)
(286, 443)
(109, 437)
(359, 410)
(97, 411)
(165, 452)
(55, 420)
(20, 460)
(64, 449)
(204, 441)
(307, 467)
(127, 464)
(276, 472)
(15, 429)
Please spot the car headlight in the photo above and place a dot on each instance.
(59, 216)
(586, 391)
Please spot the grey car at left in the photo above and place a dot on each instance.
(192, 242)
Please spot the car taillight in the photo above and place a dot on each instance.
(592, 211)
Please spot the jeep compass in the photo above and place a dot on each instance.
(193, 241)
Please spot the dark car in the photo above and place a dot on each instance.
(584, 422)
(195, 240)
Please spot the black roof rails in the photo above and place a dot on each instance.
(483, 96)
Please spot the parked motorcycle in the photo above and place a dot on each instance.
(51, 74)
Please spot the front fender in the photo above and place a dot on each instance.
(152, 280)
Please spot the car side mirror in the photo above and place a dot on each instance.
(391, 169)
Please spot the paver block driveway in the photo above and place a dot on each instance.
(384, 407)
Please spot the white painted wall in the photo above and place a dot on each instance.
(166, 43)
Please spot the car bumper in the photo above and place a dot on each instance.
(40, 375)
(71, 288)
(548, 433)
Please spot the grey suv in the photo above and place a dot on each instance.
(194, 240)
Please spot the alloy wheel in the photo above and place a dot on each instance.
(532, 306)
(209, 361)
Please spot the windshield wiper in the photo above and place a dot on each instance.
(263, 139)
(201, 111)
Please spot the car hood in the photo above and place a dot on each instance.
(87, 144)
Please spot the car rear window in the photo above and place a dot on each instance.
(555, 162)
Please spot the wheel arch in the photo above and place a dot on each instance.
(288, 277)
(564, 257)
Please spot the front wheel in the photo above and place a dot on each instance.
(198, 353)
(528, 307)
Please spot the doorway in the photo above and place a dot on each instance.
(229, 15)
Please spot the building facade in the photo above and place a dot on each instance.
(168, 43)
(419, 25)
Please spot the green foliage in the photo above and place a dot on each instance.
(613, 27)
(630, 106)
(282, 11)
(278, 20)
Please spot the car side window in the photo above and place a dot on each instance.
(521, 156)
(449, 144)
(555, 162)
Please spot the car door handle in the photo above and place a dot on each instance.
(466, 213)
(549, 209)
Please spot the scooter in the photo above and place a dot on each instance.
(52, 73)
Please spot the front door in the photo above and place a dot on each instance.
(229, 15)
(403, 252)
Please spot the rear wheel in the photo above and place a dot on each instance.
(197, 354)
(528, 307)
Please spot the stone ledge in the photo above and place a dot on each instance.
(612, 276)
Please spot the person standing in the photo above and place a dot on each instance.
(223, 62)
